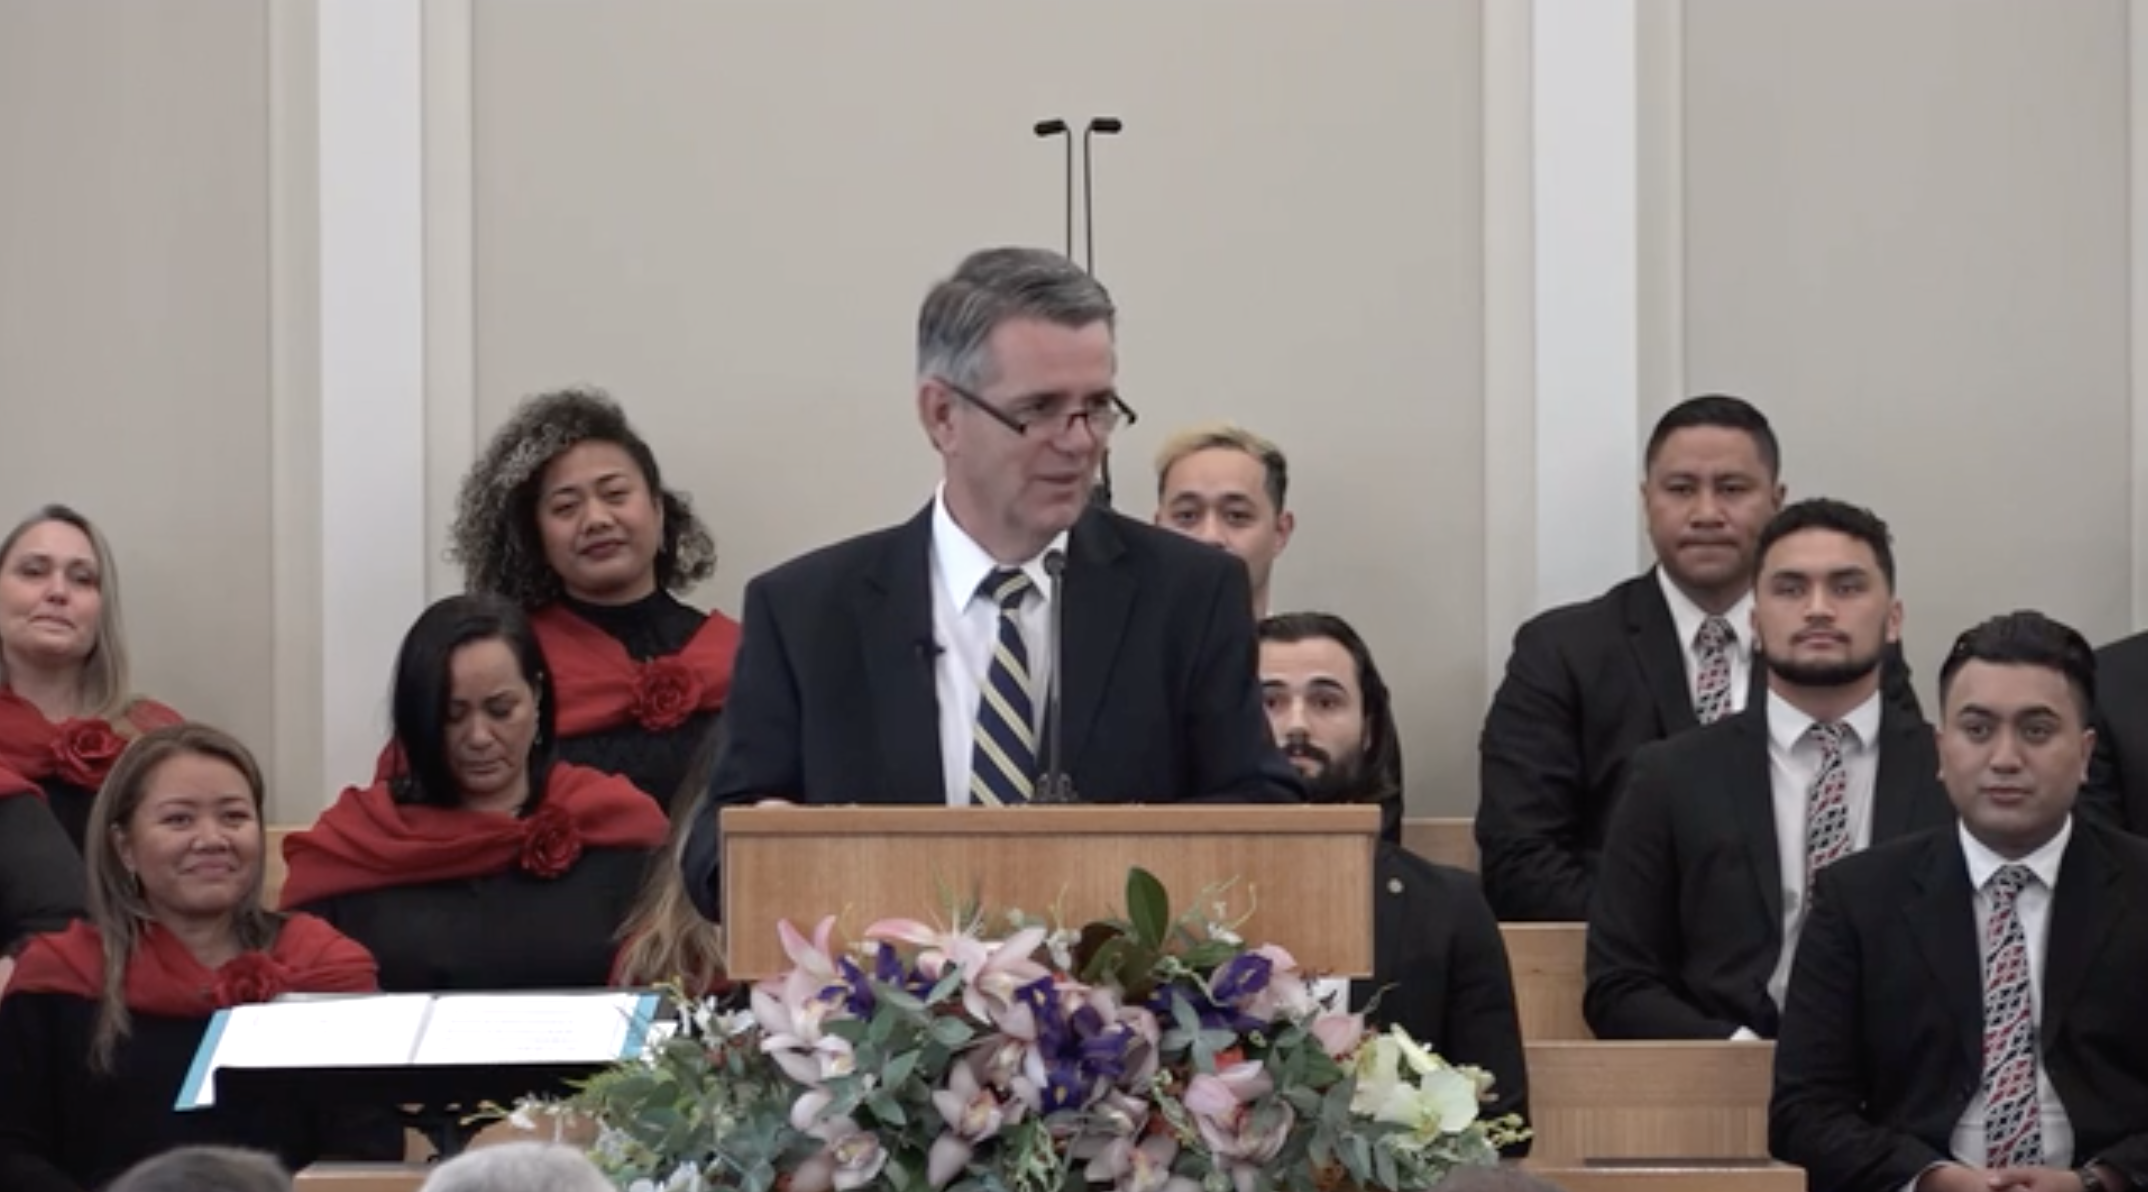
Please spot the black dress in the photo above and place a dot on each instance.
(655, 626)
(41, 879)
(64, 1128)
(502, 931)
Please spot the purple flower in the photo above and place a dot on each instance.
(1241, 977)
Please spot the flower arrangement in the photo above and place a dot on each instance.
(1144, 1054)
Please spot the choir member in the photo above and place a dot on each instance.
(485, 862)
(66, 710)
(567, 515)
(102, 1020)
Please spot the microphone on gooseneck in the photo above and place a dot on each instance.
(1109, 126)
(1058, 128)
(1055, 786)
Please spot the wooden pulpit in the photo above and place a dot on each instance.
(1301, 875)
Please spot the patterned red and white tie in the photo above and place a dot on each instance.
(1711, 681)
(1827, 804)
(2013, 1118)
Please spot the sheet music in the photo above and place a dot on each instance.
(309, 1033)
(534, 1028)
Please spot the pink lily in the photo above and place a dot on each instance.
(849, 1158)
(991, 972)
(1339, 1034)
(973, 1114)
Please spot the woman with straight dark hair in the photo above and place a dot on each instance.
(101, 1022)
(66, 706)
(484, 862)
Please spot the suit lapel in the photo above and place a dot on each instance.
(2089, 900)
(1751, 791)
(1653, 637)
(1908, 765)
(1099, 591)
(894, 612)
(1942, 915)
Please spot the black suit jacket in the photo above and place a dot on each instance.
(1687, 920)
(1881, 1046)
(2117, 788)
(1586, 685)
(1440, 967)
(833, 698)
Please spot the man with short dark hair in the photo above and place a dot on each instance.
(1226, 486)
(1588, 684)
(1964, 1012)
(1711, 853)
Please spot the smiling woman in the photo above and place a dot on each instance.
(484, 861)
(65, 708)
(101, 1021)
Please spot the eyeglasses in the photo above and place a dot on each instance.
(1104, 413)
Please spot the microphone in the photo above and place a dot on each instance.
(1110, 126)
(1056, 786)
(1058, 128)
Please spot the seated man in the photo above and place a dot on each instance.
(1590, 683)
(1225, 486)
(2117, 787)
(1720, 830)
(1440, 966)
(1964, 1013)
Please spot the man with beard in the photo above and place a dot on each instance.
(1589, 683)
(1439, 964)
(1716, 840)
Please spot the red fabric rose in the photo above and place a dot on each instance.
(84, 750)
(666, 692)
(250, 977)
(551, 844)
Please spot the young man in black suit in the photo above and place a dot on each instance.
(915, 664)
(1439, 963)
(2117, 788)
(1965, 1009)
(1712, 850)
(1589, 683)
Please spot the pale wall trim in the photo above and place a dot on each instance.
(450, 276)
(1510, 442)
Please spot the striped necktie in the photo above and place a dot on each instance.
(1003, 765)
(2013, 1116)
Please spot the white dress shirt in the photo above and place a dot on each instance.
(965, 628)
(2033, 907)
(1793, 764)
(1688, 617)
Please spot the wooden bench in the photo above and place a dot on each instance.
(1661, 1101)
(1547, 960)
(1768, 1177)
(1442, 840)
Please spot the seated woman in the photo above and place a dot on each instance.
(42, 887)
(101, 1021)
(65, 710)
(665, 938)
(485, 863)
(566, 515)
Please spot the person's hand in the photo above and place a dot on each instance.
(774, 803)
(1956, 1177)
(2033, 1179)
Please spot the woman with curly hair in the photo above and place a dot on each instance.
(66, 709)
(567, 515)
(102, 1021)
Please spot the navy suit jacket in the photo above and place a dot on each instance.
(833, 698)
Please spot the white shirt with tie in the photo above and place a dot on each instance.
(1688, 617)
(1794, 759)
(965, 629)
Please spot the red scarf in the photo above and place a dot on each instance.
(78, 751)
(164, 979)
(600, 686)
(12, 783)
(368, 841)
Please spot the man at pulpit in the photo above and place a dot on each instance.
(915, 665)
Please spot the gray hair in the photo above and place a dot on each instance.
(1502, 1178)
(518, 1167)
(992, 287)
(205, 1169)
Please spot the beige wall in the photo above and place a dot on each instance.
(691, 204)
(1906, 236)
(136, 326)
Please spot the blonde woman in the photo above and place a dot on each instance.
(665, 938)
(66, 707)
(100, 1022)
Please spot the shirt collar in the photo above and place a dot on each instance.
(1688, 617)
(1788, 724)
(2044, 862)
(963, 564)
